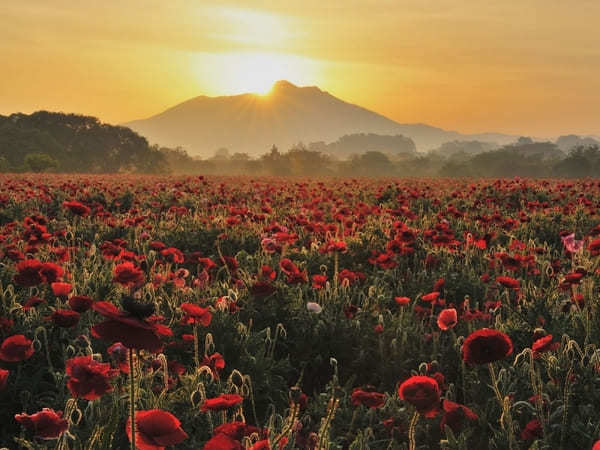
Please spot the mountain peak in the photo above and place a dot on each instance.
(283, 84)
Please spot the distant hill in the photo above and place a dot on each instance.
(72, 143)
(288, 115)
(566, 143)
(353, 144)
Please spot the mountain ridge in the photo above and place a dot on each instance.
(287, 115)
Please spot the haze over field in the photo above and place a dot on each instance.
(517, 67)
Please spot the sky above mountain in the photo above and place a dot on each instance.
(527, 67)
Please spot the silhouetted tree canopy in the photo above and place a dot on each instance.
(77, 144)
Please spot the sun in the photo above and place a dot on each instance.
(256, 72)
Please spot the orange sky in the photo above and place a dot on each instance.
(524, 67)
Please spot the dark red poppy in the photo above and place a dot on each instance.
(447, 319)
(29, 273)
(173, 255)
(196, 314)
(532, 431)
(455, 415)
(32, 302)
(45, 424)
(262, 445)
(65, 318)
(16, 348)
(423, 393)
(485, 346)
(222, 441)
(88, 378)
(80, 303)
(222, 402)
(3, 378)
(543, 345)
(156, 429)
(367, 398)
(51, 272)
(129, 275)
(133, 332)
(350, 311)
(77, 208)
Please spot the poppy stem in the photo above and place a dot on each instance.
(412, 431)
(132, 398)
(506, 417)
(196, 351)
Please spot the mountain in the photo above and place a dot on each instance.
(287, 115)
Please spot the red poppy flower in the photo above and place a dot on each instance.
(215, 362)
(261, 445)
(350, 311)
(543, 345)
(196, 314)
(223, 401)
(447, 319)
(29, 273)
(32, 302)
(133, 332)
(80, 303)
(222, 441)
(61, 289)
(173, 255)
(88, 378)
(319, 281)
(508, 282)
(455, 415)
(156, 429)
(423, 393)
(128, 274)
(65, 318)
(431, 297)
(77, 208)
(402, 301)
(51, 272)
(370, 399)
(532, 430)
(3, 378)
(46, 424)
(16, 348)
(236, 430)
(485, 346)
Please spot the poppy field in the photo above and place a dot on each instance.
(272, 313)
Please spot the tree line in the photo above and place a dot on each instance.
(57, 142)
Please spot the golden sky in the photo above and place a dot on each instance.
(527, 67)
